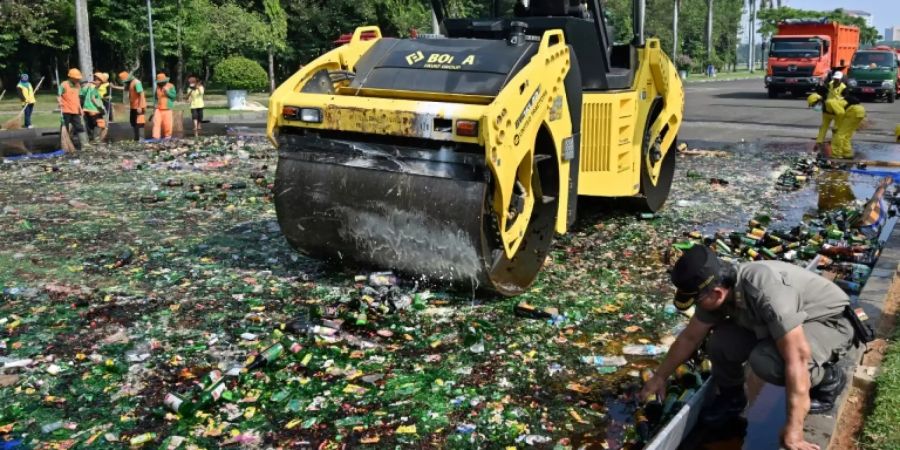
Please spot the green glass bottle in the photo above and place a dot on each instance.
(267, 356)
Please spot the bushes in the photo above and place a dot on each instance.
(880, 431)
(684, 62)
(238, 72)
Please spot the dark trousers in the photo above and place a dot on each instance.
(731, 345)
(73, 123)
(135, 126)
(29, 108)
(91, 123)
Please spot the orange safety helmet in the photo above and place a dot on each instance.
(74, 74)
(161, 77)
(103, 77)
(123, 75)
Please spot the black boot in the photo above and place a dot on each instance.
(137, 133)
(728, 404)
(823, 396)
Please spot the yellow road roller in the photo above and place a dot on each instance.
(457, 156)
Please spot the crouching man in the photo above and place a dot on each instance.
(789, 324)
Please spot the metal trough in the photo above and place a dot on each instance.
(671, 435)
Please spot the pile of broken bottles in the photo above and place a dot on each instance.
(842, 244)
(151, 300)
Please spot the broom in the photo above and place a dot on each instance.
(15, 122)
(65, 141)
(105, 130)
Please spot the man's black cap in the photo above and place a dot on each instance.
(695, 270)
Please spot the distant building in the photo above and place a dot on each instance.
(863, 14)
(892, 33)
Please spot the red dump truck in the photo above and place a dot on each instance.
(803, 52)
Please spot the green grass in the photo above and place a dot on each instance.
(880, 431)
(46, 114)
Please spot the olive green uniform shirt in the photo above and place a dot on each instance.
(774, 297)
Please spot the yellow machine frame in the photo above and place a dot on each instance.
(613, 123)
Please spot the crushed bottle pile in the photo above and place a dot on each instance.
(149, 299)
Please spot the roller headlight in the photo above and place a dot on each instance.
(312, 115)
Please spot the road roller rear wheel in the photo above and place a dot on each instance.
(512, 276)
(384, 207)
(653, 195)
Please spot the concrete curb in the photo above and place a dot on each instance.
(700, 81)
(244, 118)
(820, 429)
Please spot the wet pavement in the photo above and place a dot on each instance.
(731, 111)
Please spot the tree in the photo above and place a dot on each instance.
(122, 29)
(770, 18)
(82, 30)
(24, 23)
(693, 47)
(218, 31)
(276, 25)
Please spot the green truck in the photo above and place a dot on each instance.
(873, 73)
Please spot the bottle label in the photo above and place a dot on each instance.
(273, 352)
(214, 376)
(216, 391)
(173, 402)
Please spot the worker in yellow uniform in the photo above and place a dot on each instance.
(848, 124)
(103, 88)
(165, 101)
(26, 94)
(832, 94)
(195, 93)
(70, 105)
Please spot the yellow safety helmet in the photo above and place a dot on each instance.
(74, 74)
(813, 99)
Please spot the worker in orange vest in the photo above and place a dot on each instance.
(70, 105)
(136, 101)
(165, 101)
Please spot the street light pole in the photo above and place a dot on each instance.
(709, 30)
(675, 31)
(750, 58)
(152, 49)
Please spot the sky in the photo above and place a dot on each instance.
(885, 13)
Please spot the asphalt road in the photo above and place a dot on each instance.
(728, 111)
